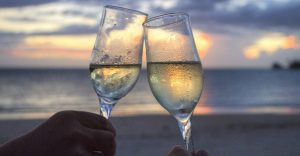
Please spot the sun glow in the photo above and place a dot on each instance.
(203, 42)
(161, 40)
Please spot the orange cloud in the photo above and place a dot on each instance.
(270, 44)
(78, 47)
(48, 54)
(203, 42)
(291, 42)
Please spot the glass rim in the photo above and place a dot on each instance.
(145, 24)
(125, 9)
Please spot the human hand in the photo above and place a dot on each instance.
(71, 133)
(179, 151)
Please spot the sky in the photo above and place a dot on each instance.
(228, 33)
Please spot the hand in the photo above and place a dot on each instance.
(71, 133)
(179, 151)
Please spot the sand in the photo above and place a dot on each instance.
(220, 135)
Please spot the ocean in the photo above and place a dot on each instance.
(39, 92)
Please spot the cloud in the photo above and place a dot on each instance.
(61, 17)
(19, 3)
(47, 18)
(47, 54)
(270, 44)
(57, 17)
(223, 15)
(72, 30)
(192, 6)
(213, 16)
(273, 15)
(57, 47)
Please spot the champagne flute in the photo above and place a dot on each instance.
(174, 69)
(117, 55)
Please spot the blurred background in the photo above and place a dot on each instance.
(250, 50)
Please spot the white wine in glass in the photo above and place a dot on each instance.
(174, 69)
(117, 55)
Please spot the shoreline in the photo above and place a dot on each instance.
(234, 135)
(124, 110)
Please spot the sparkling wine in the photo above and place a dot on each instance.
(114, 81)
(177, 86)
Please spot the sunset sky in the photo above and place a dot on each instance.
(228, 33)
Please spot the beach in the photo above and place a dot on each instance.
(220, 135)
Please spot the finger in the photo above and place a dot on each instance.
(201, 153)
(94, 121)
(178, 151)
(101, 140)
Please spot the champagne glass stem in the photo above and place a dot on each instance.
(106, 105)
(185, 129)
